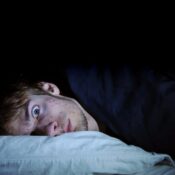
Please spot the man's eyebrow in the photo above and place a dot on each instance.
(26, 108)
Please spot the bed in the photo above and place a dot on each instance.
(103, 94)
(80, 153)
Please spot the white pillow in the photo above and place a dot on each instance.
(77, 153)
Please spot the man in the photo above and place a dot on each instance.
(136, 103)
(41, 110)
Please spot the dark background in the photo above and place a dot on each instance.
(48, 68)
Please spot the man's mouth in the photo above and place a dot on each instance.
(68, 127)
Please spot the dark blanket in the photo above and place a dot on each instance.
(136, 103)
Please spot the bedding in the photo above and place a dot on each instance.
(136, 102)
(78, 153)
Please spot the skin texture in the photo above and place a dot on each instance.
(51, 114)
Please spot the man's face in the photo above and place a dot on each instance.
(51, 115)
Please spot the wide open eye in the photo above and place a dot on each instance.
(35, 111)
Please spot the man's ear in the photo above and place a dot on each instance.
(50, 88)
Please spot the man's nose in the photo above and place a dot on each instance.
(53, 129)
